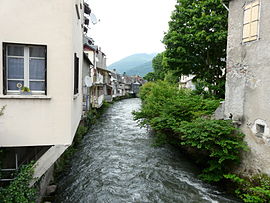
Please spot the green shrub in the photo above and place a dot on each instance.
(145, 90)
(255, 189)
(164, 106)
(91, 117)
(184, 118)
(219, 141)
(19, 191)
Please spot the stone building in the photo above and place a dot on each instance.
(247, 100)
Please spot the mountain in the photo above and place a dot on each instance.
(134, 64)
(141, 70)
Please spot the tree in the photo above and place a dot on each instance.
(150, 76)
(196, 42)
(159, 69)
(158, 66)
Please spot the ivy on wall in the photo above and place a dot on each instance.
(18, 191)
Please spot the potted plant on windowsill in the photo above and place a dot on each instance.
(25, 91)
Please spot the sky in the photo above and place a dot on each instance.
(128, 27)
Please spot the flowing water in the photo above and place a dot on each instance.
(117, 162)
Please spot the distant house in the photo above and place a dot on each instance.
(247, 100)
(121, 86)
(127, 80)
(115, 84)
(86, 83)
(101, 87)
(41, 43)
(137, 82)
(186, 82)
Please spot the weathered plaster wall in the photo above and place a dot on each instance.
(248, 82)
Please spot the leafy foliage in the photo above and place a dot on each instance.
(25, 89)
(150, 76)
(165, 105)
(19, 191)
(196, 42)
(218, 140)
(159, 69)
(185, 117)
(255, 189)
(158, 66)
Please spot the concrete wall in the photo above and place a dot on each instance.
(247, 86)
(49, 119)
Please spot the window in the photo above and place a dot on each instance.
(251, 21)
(260, 129)
(24, 65)
(76, 74)
(77, 11)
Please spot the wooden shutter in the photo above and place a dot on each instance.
(251, 21)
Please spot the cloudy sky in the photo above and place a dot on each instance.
(127, 27)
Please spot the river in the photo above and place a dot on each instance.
(117, 162)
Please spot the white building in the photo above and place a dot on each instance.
(186, 82)
(42, 49)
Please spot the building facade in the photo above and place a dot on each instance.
(247, 85)
(42, 53)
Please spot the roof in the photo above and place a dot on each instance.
(104, 69)
(88, 42)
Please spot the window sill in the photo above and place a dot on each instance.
(45, 97)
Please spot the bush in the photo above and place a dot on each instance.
(184, 118)
(219, 141)
(164, 106)
(19, 191)
(255, 189)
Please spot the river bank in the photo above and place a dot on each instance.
(116, 162)
(186, 118)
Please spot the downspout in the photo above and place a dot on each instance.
(224, 5)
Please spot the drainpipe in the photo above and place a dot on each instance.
(224, 5)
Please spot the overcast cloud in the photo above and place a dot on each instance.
(130, 26)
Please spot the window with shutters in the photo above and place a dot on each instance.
(24, 66)
(251, 21)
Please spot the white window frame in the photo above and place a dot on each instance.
(27, 59)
